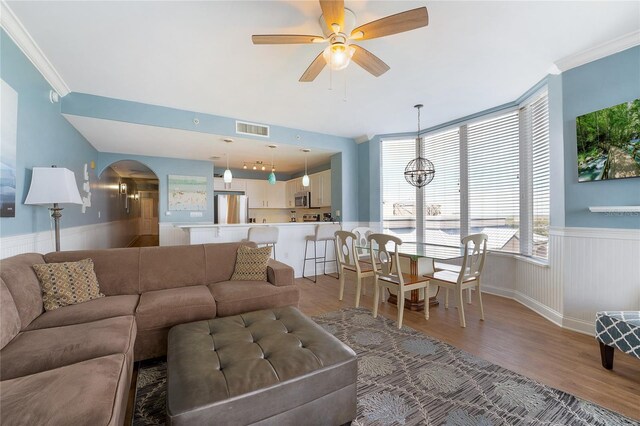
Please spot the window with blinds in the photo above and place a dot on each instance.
(507, 190)
(442, 196)
(535, 135)
(398, 196)
(494, 188)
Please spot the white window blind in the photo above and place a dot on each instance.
(494, 190)
(536, 139)
(442, 195)
(505, 192)
(398, 196)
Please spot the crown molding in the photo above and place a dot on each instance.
(600, 51)
(21, 37)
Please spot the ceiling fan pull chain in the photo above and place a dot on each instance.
(344, 99)
(330, 73)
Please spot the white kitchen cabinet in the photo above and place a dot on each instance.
(316, 189)
(276, 195)
(291, 189)
(257, 193)
(262, 195)
(325, 199)
(236, 185)
(320, 187)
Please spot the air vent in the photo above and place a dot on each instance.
(244, 128)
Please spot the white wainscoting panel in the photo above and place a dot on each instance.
(172, 236)
(601, 272)
(589, 270)
(102, 235)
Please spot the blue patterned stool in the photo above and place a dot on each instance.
(617, 329)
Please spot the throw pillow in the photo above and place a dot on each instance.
(67, 283)
(251, 264)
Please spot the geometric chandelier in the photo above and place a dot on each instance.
(420, 171)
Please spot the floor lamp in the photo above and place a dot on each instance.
(53, 185)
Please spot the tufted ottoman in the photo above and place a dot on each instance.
(617, 329)
(270, 367)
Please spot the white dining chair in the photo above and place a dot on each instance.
(362, 244)
(387, 273)
(349, 261)
(475, 250)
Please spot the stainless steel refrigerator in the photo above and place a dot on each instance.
(231, 208)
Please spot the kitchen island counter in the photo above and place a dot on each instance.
(289, 249)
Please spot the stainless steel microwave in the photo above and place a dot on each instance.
(303, 199)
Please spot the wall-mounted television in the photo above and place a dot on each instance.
(609, 143)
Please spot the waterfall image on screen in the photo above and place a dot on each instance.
(609, 143)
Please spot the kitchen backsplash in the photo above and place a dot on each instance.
(283, 215)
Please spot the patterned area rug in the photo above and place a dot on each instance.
(408, 378)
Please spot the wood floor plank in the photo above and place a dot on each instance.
(511, 336)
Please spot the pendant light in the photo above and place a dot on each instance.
(272, 175)
(305, 178)
(227, 177)
(420, 171)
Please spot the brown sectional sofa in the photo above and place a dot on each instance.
(82, 356)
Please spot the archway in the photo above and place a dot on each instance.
(136, 204)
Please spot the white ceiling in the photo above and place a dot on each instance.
(137, 139)
(199, 56)
(133, 169)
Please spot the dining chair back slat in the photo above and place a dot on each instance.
(386, 263)
(475, 250)
(362, 243)
(345, 248)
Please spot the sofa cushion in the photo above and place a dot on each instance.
(165, 308)
(9, 318)
(22, 282)
(251, 264)
(236, 297)
(34, 351)
(117, 269)
(67, 283)
(93, 310)
(170, 267)
(221, 260)
(87, 393)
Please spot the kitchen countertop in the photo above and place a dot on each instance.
(217, 225)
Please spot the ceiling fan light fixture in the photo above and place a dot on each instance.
(338, 55)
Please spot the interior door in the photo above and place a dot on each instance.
(148, 220)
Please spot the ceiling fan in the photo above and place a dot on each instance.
(337, 22)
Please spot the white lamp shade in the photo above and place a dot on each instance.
(305, 180)
(227, 176)
(53, 185)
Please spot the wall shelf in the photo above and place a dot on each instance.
(615, 209)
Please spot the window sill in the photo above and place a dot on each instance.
(533, 260)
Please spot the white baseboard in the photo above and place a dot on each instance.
(534, 305)
(581, 326)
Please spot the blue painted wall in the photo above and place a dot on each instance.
(593, 86)
(44, 138)
(590, 87)
(163, 167)
(344, 179)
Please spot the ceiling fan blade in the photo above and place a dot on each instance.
(314, 69)
(286, 39)
(369, 61)
(333, 12)
(394, 24)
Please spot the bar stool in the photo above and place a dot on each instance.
(326, 233)
(265, 235)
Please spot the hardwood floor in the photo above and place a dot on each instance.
(511, 336)
(146, 241)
